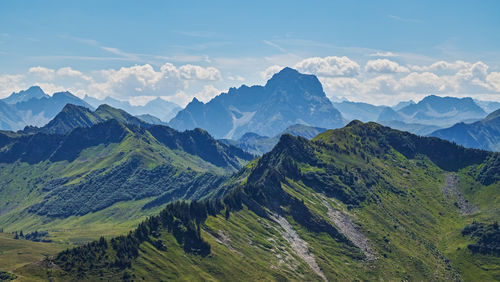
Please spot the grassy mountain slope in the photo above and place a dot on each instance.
(360, 203)
(106, 173)
(73, 116)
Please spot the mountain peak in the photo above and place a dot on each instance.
(355, 123)
(493, 115)
(288, 71)
(292, 81)
(72, 107)
(34, 92)
(35, 88)
(196, 101)
(104, 107)
(289, 97)
(285, 74)
(64, 94)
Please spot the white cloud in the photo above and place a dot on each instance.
(208, 92)
(51, 88)
(331, 66)
(138, 80)
(43, 73)
(192, 72)
(442, 66)
(384, 66)
(170, 81)
(379, 80)
(380, 84)
(270, 71)
(425, 82)
(494, 80)
(236, 78)
(340, 85)
(11, 83)
(69, 72)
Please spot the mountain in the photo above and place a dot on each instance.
(258, 145)
(430, 114)
(288, 98)
(364, 202)
(415, 128)
(483, 134)
(151, 119)
(34, 92)
(359, 111)
(32, 107)
(102, 172)
(390, 117)
(158, 107)
(44, 109)
(10, 118)
(73, 116)
(402, 104)
(441, 111)
(488, 106)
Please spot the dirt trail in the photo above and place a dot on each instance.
(298, 245)
(451, 192)
(349, 229)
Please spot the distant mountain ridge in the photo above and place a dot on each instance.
(483, 134)
(359, 111)
(164, 110)
(441, 111)
(288, 98)
(258, 145)
(73, 116)
(34, 108)
(34, 92)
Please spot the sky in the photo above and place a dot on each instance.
(379, 52)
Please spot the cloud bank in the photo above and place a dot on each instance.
(382, 80)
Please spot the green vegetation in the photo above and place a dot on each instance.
(487, 235)
(360, 203)
(6, 276)
(104, 179)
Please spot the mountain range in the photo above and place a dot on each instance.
(33, 107)
(264, 110)
(359, 111)
(438, 111)
(89, 162)
(288, 98)
(364, 202)
(361, 202)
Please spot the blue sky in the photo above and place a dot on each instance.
(119, 48)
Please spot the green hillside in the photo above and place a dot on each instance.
(104, 179)
(360, 203)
